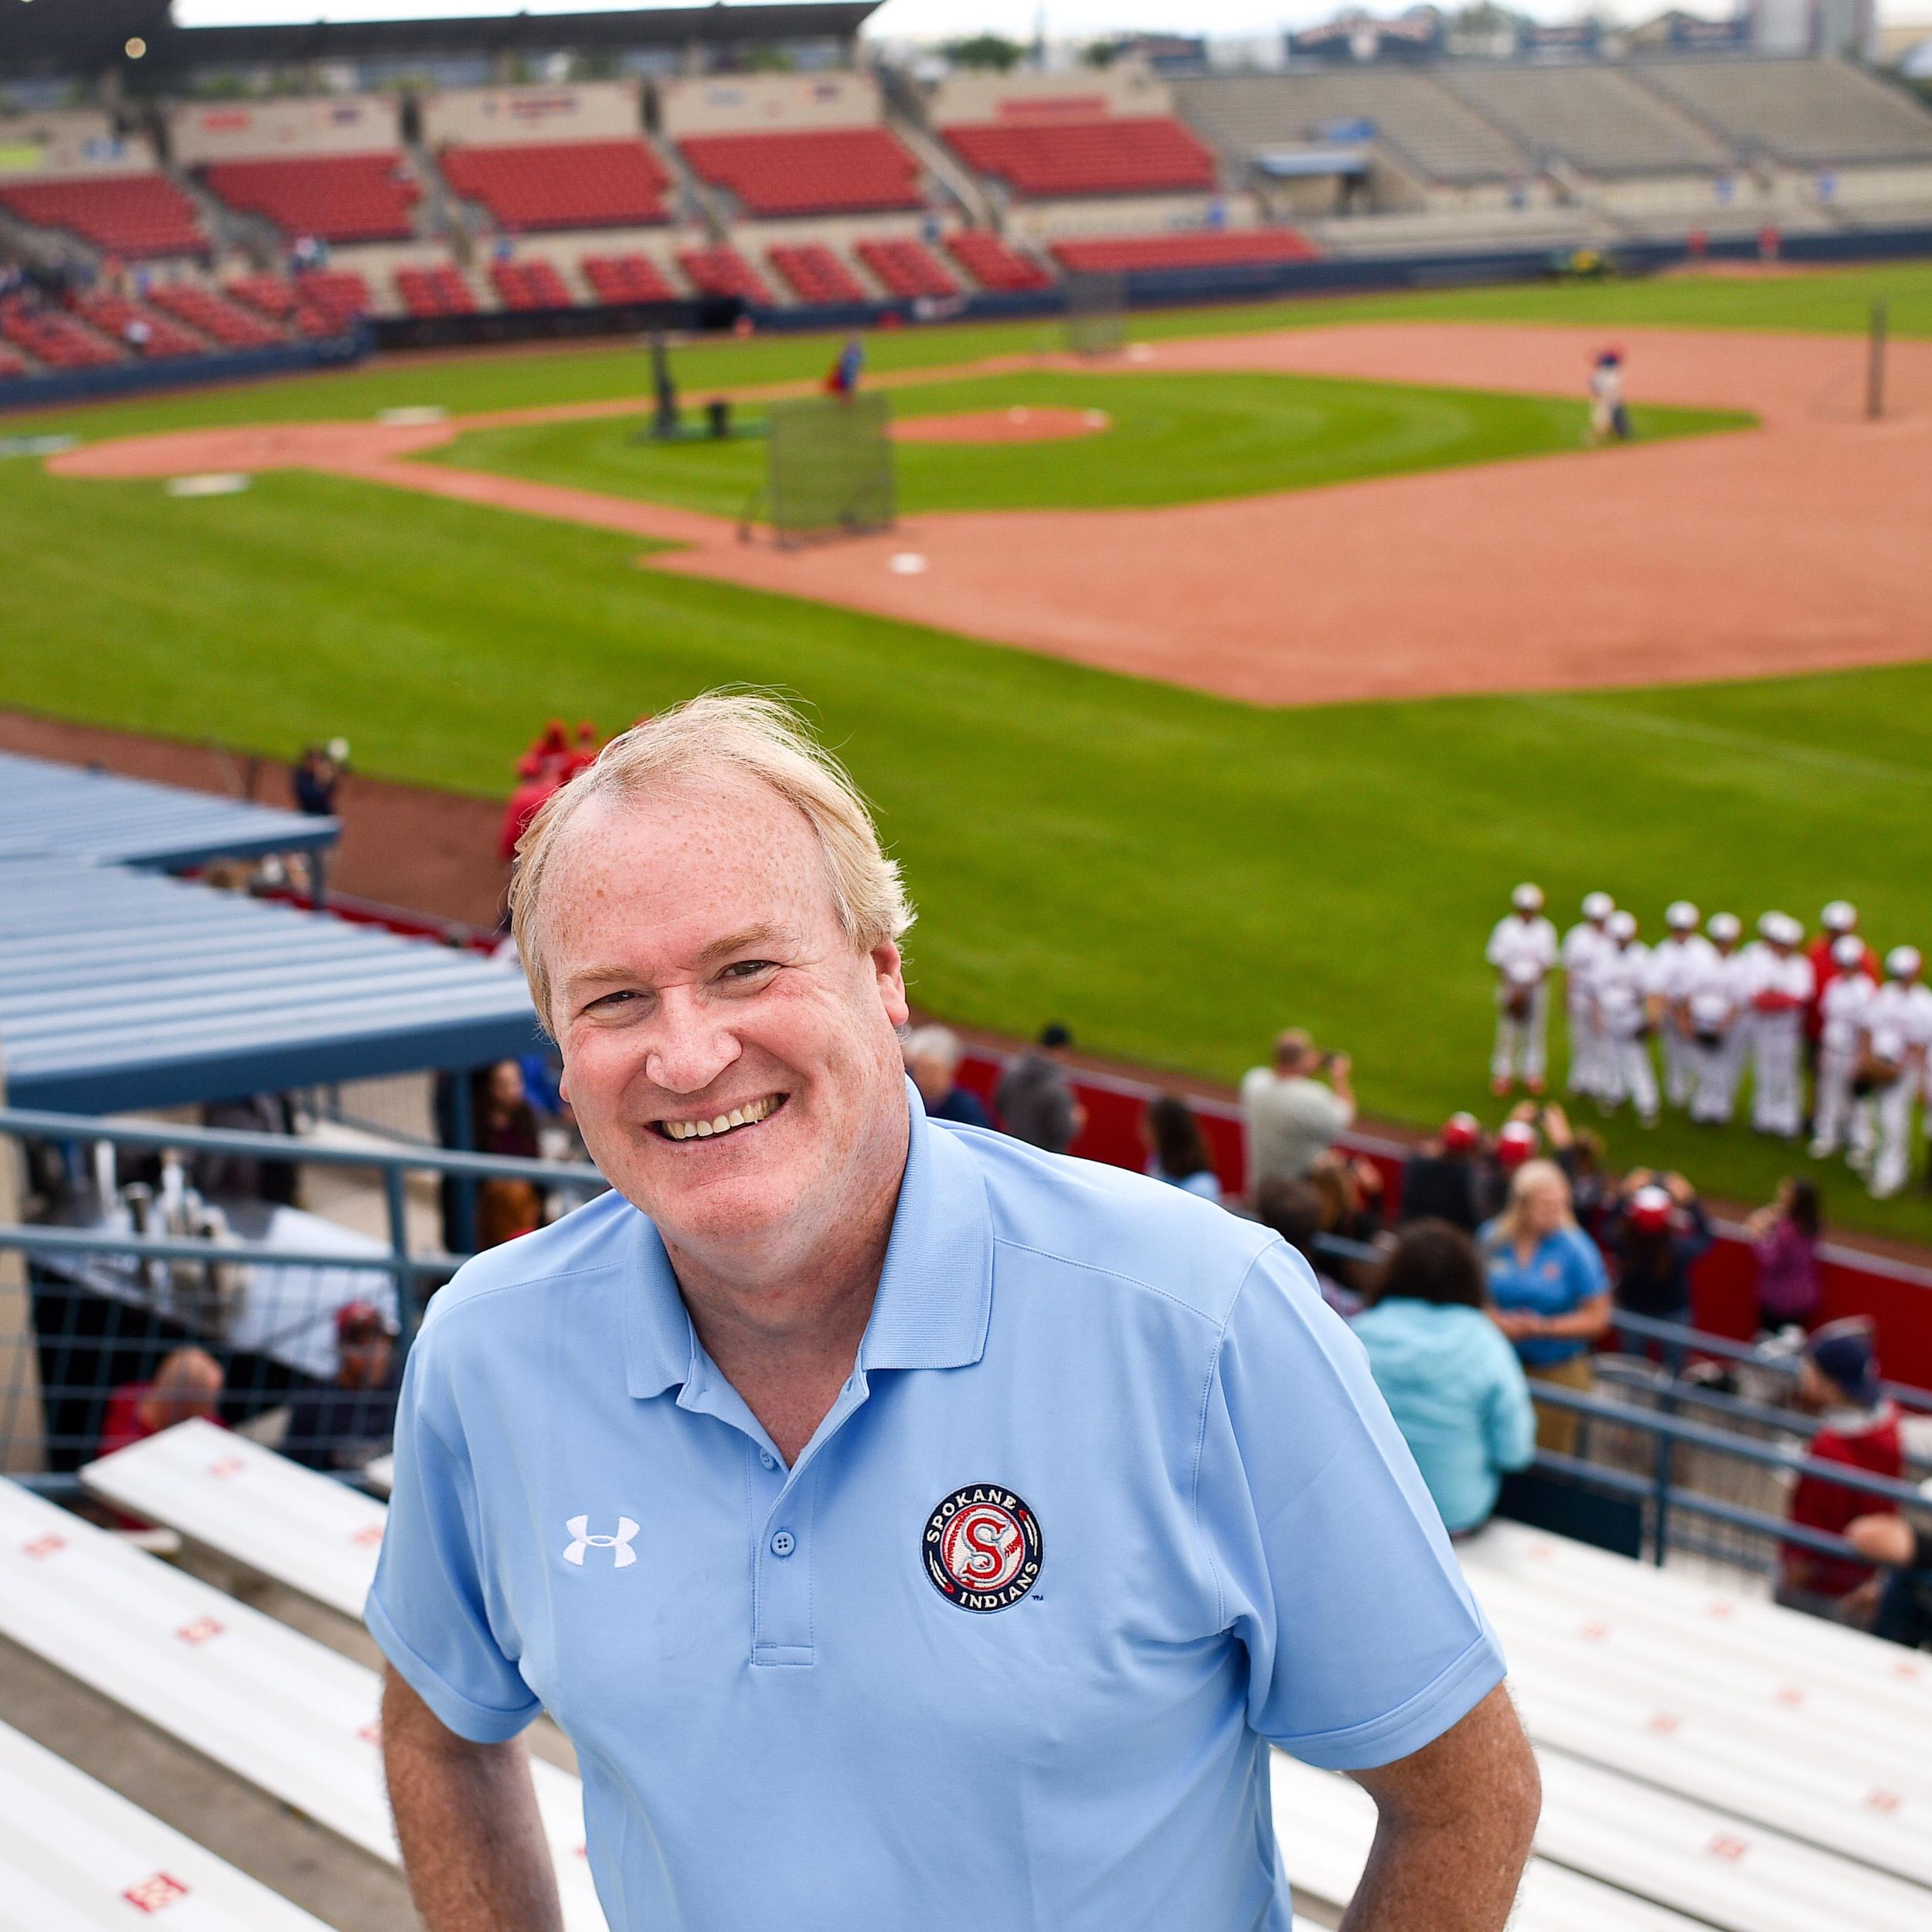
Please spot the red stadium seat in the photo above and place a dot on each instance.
(907, 268)
(1127, 157)
(814, 274)
(442, 291)
(723, 271)
(576, 184)
(994, 265)
(322, 302)
(138, 216)
(10, 364)
(53, 337)
(115, 315)
(338, 198)
(528, 285)
(1207, 248)
(823, 170)
(215, 316)
(618, 279)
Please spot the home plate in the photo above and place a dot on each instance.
(219, 483)
(414, 416)
(905, 563)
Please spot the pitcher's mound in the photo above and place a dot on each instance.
(1031, 424)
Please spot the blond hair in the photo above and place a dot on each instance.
(1523, 1183)
(760, 737)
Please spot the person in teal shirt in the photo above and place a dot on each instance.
(1451, 1381)
(1548, 1287)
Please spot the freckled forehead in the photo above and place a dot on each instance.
(669, 872)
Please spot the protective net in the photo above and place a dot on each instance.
(829, 467)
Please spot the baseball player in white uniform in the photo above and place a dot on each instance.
(1897, 1032)
(1628, 1005)
(1718, 1011)
(1676, 961)
(1781, 987)
(1522, 949)
(1841, 1011)
(1586, 946)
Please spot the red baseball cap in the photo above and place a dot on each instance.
(1516, 1144)
(1649, 1212)
(1460, 1133)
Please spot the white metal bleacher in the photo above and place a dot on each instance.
(1617, 1850)
(273, 1706)
(77, 1857)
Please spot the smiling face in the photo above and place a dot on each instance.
(730, 1053)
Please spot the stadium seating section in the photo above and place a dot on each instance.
(52, 336)
(723, 271)
(136, 216)
(434, 291)
(1152, 155)
(1593, 118)
(577, 184)
(814, 274)
(216, 317)
(1440, 137)
(336, 197)
(146, 332)
(1209, 248)
(1809, 112)
(528, 285)
(321, 302)
(828, 171)
(10, 363)
(907, 268)
(993, 264)
(626, 278)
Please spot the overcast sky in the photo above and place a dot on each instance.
(935, 18)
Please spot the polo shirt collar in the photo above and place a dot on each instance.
(935, 1292)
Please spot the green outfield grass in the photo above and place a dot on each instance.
(1173, 875)
(1170, 439)
(1837, 302)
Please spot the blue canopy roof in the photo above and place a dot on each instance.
(62, 809)
(122, 989)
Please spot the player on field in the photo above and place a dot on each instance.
(1676, 961)
(1586, 946)
(1781, 988)
(1897, 1030)
(1522, 949)
(1717, 1010)
(1628, 1004)
(1839, 921)
(1841, 1016)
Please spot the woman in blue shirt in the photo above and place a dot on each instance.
(1549, 1287)
(1178, 1151)
(1453, 1384)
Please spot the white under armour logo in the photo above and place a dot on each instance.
(582, 1539)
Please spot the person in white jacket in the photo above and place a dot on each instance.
(1781, 988)
(1897, 1031)
(1677, 960)
(1628, 1004)
(1841, 1017)
(1586, 946)
(1522, 949)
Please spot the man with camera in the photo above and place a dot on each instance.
(1296, 1110)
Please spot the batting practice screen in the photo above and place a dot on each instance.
(1096, 313)
(830, 466)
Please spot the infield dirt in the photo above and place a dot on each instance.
(1798, 546)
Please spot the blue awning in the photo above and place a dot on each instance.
(121, 989)
(1291, 163)
(54, 809)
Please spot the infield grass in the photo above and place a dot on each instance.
(1173, 875)
(1170, 439)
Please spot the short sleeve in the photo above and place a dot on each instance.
(428, 1608)
(1363, 1640)
(1589, 1278)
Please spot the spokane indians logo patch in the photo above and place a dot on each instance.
(982, 1548)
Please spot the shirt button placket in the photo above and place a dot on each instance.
(781, 1563)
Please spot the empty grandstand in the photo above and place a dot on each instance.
(722, 271)
(214, 315)
(1594, 117)
(1810, 112)
(586, 184)
(820, 171)
(1087, 156)
(52, 336)
(814, 274)
(138, 216)
(527, 285)
(618, 279)
(333, 198)
(1208, 248)
(144, 330)
(995, 264)
(427, 292)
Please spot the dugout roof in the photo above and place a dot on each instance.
(122, 989)
(64, 810)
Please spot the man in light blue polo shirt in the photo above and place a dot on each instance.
(909, 1527)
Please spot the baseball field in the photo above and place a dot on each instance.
(1237, 690)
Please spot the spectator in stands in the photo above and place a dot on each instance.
(186, 1387)
(1034, 1101)
(1452, 1382)
(1784, 1238)
(1177, 1149)
(1550, 1292)
(1440, 1180)
(932, 1058)
(1656, 1232)
(1517, 1141)
(1293, 1209)
(1858, 1429)
(1351, 1196)
(1896, 1604)
(316, 783)
(348, 1423)
(1580, 1153)
(1294, 1116)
